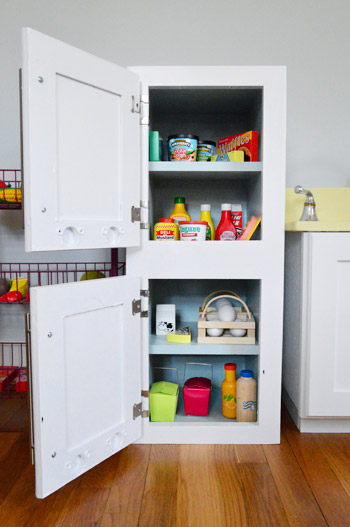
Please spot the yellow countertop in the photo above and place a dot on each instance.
(332, 209)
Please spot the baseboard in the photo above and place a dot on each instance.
(315, 424)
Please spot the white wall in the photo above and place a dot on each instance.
(311, 37)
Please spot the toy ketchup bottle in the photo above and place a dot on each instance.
(228, 392)
(226, 231)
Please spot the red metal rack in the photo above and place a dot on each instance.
(13, 369)
(38, 274)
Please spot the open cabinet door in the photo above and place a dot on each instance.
(86, 376)
(81, 148)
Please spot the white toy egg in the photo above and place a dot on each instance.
(214, 332)
(225, 310)
(237, 332)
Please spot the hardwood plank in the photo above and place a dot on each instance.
(9, 408)
(19, 420)
(22, 508)
(250, 454)
(125, 499)
(329, 492)
(199, 494)
(299, 503)
(7, 440)
(232, 495)
(160, 495)
(12, 466)
(337, 450)
(263, 506)
(84, 507)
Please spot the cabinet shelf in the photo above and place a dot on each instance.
(202, 169)
(158, 345)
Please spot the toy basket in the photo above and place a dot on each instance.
(163, 398)
(197, 392)
(244, 320)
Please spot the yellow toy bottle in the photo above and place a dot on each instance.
(206, 216)
(179, 213)
(228, 392)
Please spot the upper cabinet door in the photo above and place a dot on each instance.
(86, 373)
(81, 148)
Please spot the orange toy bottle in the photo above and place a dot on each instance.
(228, 392)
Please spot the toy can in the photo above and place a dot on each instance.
(205, 149)
(182, 147)
(193, 231)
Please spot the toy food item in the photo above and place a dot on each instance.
(19, 284)
(226, 231)
(197, 392)
(4, 286)
(225, 310)
(165, 318)
(7, 375)
(247, 142)
(163, 398)
(182, 147)
(180, 336)
(193, 231)
(237, 217)
(155, 147)
(179, 213)
(92, 275)
(166, 229)
(228, 391)
(249, 228)
(237, 156)
(206, 216)
(246, 397)
(205, 149)
(12, 296)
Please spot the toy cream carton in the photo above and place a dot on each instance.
(247, 142)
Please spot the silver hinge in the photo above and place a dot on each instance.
(136, 214)
(136, 309)
(135, 105)
(138, 412)
(144, 119)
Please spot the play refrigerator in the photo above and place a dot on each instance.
(88, 184)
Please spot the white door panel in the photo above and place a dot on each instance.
(81, 148)
(86, 367)
(329, 359)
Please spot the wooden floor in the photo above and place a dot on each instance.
(304, 481)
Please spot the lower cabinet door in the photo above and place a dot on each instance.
(328, 325)
(86, 376)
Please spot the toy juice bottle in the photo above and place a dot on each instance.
(226, 231)
(246, 397)
(228, 391)
(179, 213)
(206, 216)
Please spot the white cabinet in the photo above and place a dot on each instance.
(117, 196)
(316, 344)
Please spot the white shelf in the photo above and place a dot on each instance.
(158, 345)
(229, 168)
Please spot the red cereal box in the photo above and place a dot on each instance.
(248, 142)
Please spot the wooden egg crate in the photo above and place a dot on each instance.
(242, 322)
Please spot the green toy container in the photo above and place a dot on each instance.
(163, 397)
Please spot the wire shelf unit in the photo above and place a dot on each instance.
(10, 189)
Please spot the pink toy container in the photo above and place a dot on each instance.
(197, 392)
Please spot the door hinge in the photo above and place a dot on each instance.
(144, 119)
(138, 412)
(135, 104)
(136, 214)
(136, 309)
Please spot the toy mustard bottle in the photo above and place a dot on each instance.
(179, 213)
(246, 397)
(228, 391)
(206, 216)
